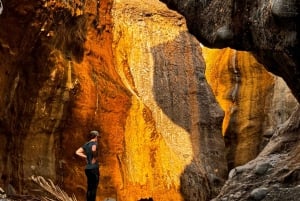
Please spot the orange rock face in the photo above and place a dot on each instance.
(131, 70)
(127, 68)
(249, 96)
(59, 82)
(168, 123)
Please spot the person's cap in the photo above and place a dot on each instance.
(94, 133)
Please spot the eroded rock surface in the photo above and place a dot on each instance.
(169, 90)
(65, 71)
(244, 89)
(57, 83)
(274, 174)
(270, 29)
(131, 70)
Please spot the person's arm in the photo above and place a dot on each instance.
(80, 152)
(94, 148)
(95, 154)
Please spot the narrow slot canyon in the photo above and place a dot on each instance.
(191, 99)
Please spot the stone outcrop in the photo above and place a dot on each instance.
(274, 174)
(270, 29)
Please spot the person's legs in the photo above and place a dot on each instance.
(92, 183)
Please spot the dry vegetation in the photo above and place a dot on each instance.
(53, 189)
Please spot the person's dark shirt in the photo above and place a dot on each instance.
(87, 147)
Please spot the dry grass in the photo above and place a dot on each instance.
(53, 189)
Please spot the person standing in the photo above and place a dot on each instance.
(89, 151)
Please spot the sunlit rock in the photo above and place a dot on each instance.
(252, 99)
(172, 111)
(129, 69)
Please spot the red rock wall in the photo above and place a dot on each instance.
(68, 69)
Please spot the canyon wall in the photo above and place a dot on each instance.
(260, 111)
(178, 133)
(36, 48)
(255, 101)
(274, 174)
(269, 29)
(54, 58)
(131, 70)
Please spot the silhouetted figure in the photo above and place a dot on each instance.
(89, 151)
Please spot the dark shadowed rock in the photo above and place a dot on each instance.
(276, 168)
(269, 29)
(285, 8)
